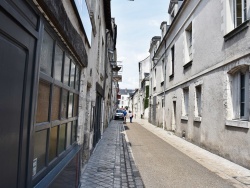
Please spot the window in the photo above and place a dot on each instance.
(239, 12)
(57, 105)
(198, 101)
(155, 78)
(172, 63)
(189, 43)
(236, 13)
(240, 91)
(163, 70)
(185, 101)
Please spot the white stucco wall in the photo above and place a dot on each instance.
(213, 57)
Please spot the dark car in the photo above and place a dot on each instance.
(119, 114)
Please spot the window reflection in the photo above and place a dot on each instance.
(42, 113)
(62, 133)
(52, 143)
(74, 131)
(40, 149)
(56, 103)
(70, 105)
(64, 103)
(46, 54)
(58, 63)
(69, 127)
(72, 75)
(66, 70)
(77, 82)
(75, 105)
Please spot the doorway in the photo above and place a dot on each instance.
(17, 49)
(174, 116)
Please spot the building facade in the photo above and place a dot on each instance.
(48, 57)
(199, 85)
(144, 74)
(124, 97)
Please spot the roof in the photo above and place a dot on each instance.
(126, 91)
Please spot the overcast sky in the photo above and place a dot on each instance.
(137, 22)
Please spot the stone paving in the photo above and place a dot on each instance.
(112, 164)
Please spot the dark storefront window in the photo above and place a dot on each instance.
(69, 135)
(46, 54)
(66, 70)
(42, 114)
(57, 106)
(40, 150)
(53, 143)
(58, 63)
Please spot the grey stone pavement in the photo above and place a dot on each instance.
(111, 164)
(235, 175)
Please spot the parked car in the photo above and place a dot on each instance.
(119, 114)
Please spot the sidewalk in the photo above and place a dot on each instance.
(237, 175)
(111, 164)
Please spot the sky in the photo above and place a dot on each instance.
(137, 22)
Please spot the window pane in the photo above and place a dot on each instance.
(75, 105)
(198, 100)
(52, 143)
(239, 12)
(70, 105)
(56, 103)
(72, 75)
(77, 82)
(62, 133)
(242, 109)
(46, 54)
(66, 70)
(69, 126)
(42, 113)
(40, 149)
(64, 103)
(74, 131)
(58, 63)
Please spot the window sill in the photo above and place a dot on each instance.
(189, 64)
(238, 123)
(197, 119)
(236, 30)
(184, 118)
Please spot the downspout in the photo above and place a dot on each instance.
(104, 83)
(164, 104)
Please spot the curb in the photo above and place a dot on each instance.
(133, 174)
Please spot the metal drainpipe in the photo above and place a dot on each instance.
(163, 111)
(104, 84)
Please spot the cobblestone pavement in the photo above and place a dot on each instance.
(111, 164)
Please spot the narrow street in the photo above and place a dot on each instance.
(162, 165)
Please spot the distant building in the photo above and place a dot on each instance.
(124, 97)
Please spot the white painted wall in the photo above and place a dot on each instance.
(213, 58)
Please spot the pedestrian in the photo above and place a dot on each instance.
(124, 115)
(130, 114)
